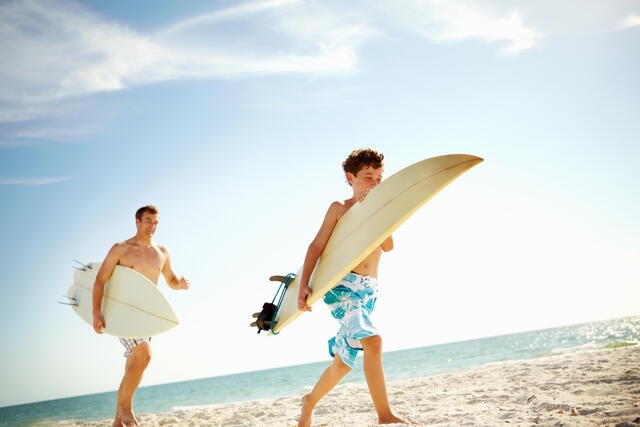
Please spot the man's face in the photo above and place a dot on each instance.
(148, 223)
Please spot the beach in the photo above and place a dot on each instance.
(592, 388)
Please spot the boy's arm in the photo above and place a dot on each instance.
(313, 253)
(106, 269)
(387, 245)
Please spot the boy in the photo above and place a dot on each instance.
(353, 299)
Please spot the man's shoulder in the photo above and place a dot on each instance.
(124, 245)
(118, 249)
(161, 247)
(120, 246)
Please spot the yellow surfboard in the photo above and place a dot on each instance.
(368, 223)
(132, 306)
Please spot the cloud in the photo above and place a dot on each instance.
(53, 50)
(631, 20)
(455, 21)
(31, 181)
(232, 13)
(58, 50)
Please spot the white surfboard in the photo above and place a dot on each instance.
(132, 306)
(368, 223)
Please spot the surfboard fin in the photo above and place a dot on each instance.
(70, 301)
(264, 318)
(83, 266)
(266, 323)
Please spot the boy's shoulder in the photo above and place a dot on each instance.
(341, 204)
(338, 208)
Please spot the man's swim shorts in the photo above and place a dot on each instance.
(129, 343)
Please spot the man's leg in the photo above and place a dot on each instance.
(329, 378)
(136, 363)
(374, 374)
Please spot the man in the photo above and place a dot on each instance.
(148, 258)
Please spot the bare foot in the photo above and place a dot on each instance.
(125, 418)
(392, 419)
(305, 413)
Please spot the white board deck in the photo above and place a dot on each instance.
(368, 223)
(132, 306)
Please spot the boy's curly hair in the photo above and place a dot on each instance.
(361, 158)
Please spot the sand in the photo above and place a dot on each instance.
(600, 388)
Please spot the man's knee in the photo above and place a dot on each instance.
(142, 354)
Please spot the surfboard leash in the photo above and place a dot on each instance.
(284, 285)
(265, 319)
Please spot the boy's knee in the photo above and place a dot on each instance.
(340, 366)
(372, 344)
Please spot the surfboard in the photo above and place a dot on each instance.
(132, 306)
(368, 223)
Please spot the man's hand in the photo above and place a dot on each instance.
(184, 283)
(304, 293)
(98, 323)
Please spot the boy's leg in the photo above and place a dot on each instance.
(135, 365)
(374, 374)
(329, 378)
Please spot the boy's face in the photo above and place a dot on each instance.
(367, 178)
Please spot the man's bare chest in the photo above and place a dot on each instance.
(147, 261)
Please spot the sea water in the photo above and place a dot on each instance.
(296, 380)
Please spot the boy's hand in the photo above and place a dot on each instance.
(363, 194)
(304, 293)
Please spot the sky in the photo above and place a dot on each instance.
(233, 117)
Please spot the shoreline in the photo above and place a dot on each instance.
(593, 388)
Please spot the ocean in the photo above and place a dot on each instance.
(297, 380)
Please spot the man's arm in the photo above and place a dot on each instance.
(173, 281)
(106, 269)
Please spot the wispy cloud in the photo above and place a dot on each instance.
(456, 21)
(31, 181)
(631, 20)
(75, 52)
(56, 52)
(231, 13)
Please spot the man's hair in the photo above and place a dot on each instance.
(362, 158)
(148, 208)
